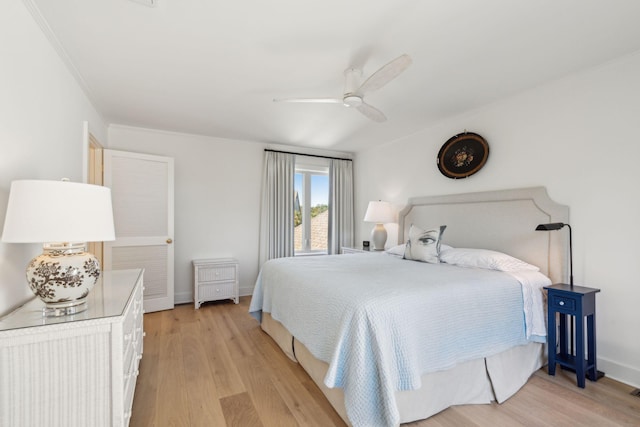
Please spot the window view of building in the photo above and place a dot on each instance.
(311, 210)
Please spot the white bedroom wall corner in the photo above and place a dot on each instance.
(57, 46)
(42, 110)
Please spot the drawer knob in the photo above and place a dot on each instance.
(561, 303)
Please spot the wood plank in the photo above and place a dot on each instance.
(264, 395)
(223, 368)
(203, 400)
(143, 413)
(145, 398)
(239, 411)
(172, 407)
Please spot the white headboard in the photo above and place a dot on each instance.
(503, 220)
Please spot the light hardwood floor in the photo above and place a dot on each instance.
(215, 367)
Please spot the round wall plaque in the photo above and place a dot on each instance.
(463, 155)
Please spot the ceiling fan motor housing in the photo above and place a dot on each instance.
(351, 100)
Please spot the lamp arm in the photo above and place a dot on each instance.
(570, 257)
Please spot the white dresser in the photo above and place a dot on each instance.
(78, 370)
(215, 279)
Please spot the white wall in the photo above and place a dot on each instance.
(217, 198)
(42, 110)
(218, 186)
(579, 138)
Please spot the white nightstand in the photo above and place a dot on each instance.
(215, 279)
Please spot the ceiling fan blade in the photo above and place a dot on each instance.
(385, 74)
(371, 112)
(310, 100)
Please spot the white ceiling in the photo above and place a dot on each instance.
(213, 67)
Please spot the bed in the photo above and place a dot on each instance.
(390, 340)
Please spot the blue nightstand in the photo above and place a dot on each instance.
(579, 302)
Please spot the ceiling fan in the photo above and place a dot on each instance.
(353, 95)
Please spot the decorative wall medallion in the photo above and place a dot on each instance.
(463, 155)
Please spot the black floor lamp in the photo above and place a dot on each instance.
(557, 226)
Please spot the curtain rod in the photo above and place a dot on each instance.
(310, 155)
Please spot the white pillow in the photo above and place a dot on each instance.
(399, 249)
(484, 258)
(396, 250)
(424, 245)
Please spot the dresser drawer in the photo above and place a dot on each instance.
(128, 333)
(563, 303)
(130, 379)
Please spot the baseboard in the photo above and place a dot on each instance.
(187, 297)
(183, 298)
(619, 372)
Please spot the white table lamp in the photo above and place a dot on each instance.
(63, 216)
(379, 212)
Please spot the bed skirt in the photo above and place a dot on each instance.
(480, 381)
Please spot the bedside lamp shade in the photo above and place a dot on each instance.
(58, 211)
(378, 212)
(63, 216)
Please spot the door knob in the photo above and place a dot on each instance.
(169, 241)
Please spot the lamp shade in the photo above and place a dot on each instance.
(378, 212)
(550, 227)
(41, 211)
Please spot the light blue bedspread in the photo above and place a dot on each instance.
(381, 322)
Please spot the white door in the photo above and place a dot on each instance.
(142, 193)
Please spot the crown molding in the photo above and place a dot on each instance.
(57, 46)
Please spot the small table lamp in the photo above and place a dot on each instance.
(63, 216)
(380, 213)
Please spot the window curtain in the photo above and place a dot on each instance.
(276, 212)
(341, 219)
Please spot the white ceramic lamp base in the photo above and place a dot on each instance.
(378, 237)
(62, 277)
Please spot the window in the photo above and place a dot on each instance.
(311, 209)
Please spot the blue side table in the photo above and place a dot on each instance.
(579, 302)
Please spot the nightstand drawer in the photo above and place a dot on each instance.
(210, 292)
(216, 273)
(562, 302)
